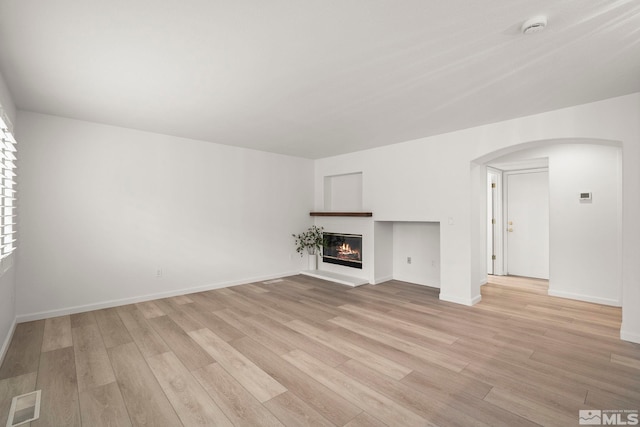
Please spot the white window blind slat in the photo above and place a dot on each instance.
(8, 193)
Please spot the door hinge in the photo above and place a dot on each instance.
(493, 220)
(493, 185)
(493, 257)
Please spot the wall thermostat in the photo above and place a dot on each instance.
(585, 197)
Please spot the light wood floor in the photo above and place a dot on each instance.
(304, 351)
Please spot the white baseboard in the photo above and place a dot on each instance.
(379, 280)
(586, 298)
(458, 300)
(7, 341)
(629, 336)
(132, 300)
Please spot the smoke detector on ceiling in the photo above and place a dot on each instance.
(534, 25)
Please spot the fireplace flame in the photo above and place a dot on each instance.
(346, 251)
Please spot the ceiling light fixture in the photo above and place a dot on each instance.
(534, 25)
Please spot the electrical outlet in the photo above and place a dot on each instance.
(408, 260)
(159, 272)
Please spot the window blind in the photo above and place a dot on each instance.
(7, 190)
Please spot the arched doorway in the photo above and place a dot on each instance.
(585, 237)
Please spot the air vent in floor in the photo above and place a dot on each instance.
(24, 408)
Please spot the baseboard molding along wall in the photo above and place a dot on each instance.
(586, 298)
(142, 298)
(463, 301)
(629, 336)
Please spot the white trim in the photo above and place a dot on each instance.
(587, 298)
(336, 277)
(629, 336)
(149, 297)
(7, 340)
(382, 280)
(463, 301)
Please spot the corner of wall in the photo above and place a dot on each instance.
(628, 335)
(457, 300)
(7, 341)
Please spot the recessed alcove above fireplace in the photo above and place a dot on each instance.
(343, 192)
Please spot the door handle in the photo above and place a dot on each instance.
(510, 230)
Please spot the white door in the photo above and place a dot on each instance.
(528, 224)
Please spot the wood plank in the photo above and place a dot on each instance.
(236, 402)
(14, 386)
(264, 337)
(294, 412)
(149, 309)
(57, 379)
(186, 322)
(23, 354)
(362, 396)
(330, 405)
(166, 306)
(103, 406)
(256, 381)
(182, 299)
(432, 404)
(533, 411)
(440, 380)
(92, 362)
(57, 333)
(191, 402)
(372, 360)
(79, 320)
(146, 403)
(189, 353)
(111, 327)
(365, 420)
(424, 353)
(625, 361)
(214, 323)
(514, 376)
(375, 316)
(147, 339)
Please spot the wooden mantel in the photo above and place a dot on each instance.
(356, 214)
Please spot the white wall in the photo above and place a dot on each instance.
(585, 238)
(7, 273)
(441, 179)
(421, 242)
(383, 251)
(103, 208)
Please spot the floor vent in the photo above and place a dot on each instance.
(24, 408)
(269, 282)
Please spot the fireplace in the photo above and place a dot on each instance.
(342, 249)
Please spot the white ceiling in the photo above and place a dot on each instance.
(313, 78)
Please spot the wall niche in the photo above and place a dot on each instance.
(343, 192)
